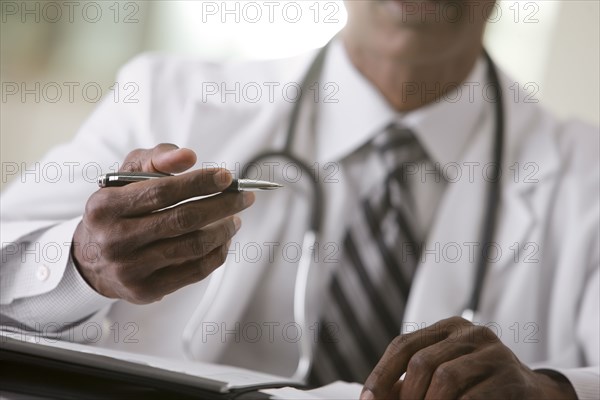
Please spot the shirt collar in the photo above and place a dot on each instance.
(354, 112)
(358, 111)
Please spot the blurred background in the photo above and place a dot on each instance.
(77, 47)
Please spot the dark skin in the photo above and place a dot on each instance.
(454, 359)
(126, 249)
(409, 51)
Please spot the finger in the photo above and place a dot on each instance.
(394, 361)
(144, 197)
(424, 364)
(457, 377)
(185, 218)
(165, 157)
(396, 390)
(493, 388)
(191, 246)
(487, 390)
(168, 280)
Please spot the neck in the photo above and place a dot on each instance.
(410, 73)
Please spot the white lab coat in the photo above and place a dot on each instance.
(541, 293)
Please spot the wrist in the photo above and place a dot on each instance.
(80, 260)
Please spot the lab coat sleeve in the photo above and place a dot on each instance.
(40, 209)
(586, 381)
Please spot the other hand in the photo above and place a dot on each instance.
(454, 359)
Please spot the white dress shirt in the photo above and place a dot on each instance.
(342, 128)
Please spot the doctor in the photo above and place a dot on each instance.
(136, 275)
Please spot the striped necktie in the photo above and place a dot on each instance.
(363, 308)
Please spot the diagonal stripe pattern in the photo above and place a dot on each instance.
(362, 310)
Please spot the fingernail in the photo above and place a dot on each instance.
(367, 395)
(248, 198)
(222, 178)
(237, 222)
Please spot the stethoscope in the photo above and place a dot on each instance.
(317, 205)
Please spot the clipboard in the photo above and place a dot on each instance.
(23, 360)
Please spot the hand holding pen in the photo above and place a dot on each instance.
(137, 243)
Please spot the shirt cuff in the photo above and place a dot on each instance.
(35, 263)
(50, 297)
(73, 300)
(586, 381)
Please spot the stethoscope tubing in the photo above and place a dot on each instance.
(317, 209)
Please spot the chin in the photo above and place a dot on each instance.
(410, 12)
(406, 10)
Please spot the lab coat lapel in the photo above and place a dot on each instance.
(530, 168)
(232, 286)
(274, 219)
(446, 261)
(524, 199)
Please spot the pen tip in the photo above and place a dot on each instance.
(272, 186)
(254, 185)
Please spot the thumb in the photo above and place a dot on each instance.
(165, 158)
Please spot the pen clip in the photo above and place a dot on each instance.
(116, 179)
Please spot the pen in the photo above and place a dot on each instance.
(125, 178)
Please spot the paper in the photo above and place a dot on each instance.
(336, 390)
